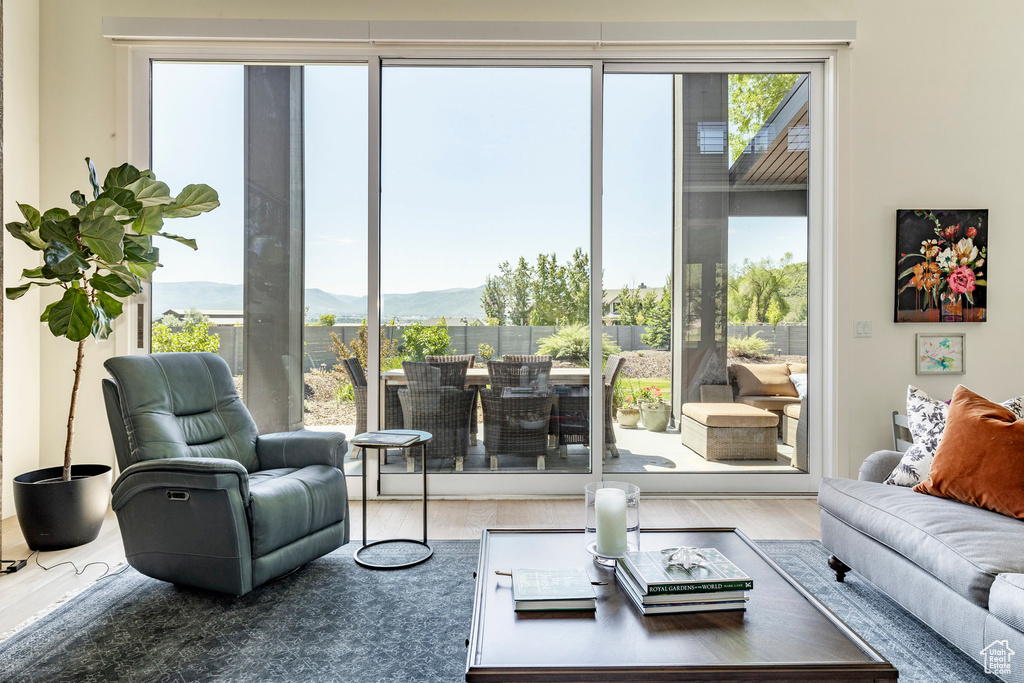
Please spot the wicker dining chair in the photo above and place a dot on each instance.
(573, 410)
(435, 400)
(471, 359)
(525, 358)
(357, 378)
(517, 410)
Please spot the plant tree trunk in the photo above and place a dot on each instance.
(66, 476)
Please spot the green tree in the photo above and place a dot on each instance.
(752, 99)
(755, 286)
(326, 320)
(658, 334)
(186, 336)
(577, 289)
(493, 300)
(420, 341)
(547, 291)
(518, 291)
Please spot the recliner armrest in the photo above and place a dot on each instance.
(879, 465)
(211, 474)
(300, 448)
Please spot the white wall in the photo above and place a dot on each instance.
(21, 183)
(928, 99)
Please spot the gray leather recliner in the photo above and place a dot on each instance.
(203, 500)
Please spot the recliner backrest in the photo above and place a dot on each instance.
(177, 405)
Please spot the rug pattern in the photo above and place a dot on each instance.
(334, 621)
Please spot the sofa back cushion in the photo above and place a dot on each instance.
(180, 405)
(764, 380)
(978, 461)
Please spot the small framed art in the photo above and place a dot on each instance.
(940, 354)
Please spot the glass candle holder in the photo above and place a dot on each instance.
(612, 520)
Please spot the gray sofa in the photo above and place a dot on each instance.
(958, 568)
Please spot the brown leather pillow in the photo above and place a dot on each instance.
(764, 380)
(979, 460)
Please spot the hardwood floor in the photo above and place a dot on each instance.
(26, 592)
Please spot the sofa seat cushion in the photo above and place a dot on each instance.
(289, 504)
(729, 415)
(792, 410)
(769, 402)
(960, 545)
(1006, 600)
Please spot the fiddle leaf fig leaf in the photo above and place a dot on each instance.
(121, 176)
(151, 192)
(108, 304)
(13, 293)
(125, 198)
(64, 261)
(105, 310)
(139, 248)
(56, 215)
(93, 179)
(125, 276)
(188, 242)
(111, 284)
(104, 236)
(26, 234)
(104, 207)
(192, 201)
(72, 316)
(142, 270)
(78, 199)
(31, 215)
(149, 221)
(64, 231)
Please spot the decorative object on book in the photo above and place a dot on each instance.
(612, 520)
(940, 266)
(683, 556)
(941, 354)
(97, 257)
(553, 588)
(653, 576)
(382, 440)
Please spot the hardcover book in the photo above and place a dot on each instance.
(627, 581)
(697, 605)
(385, 439)
(559, 588)
(715, 574)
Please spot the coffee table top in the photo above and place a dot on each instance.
(785, 634)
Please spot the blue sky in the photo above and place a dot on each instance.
(479, 166)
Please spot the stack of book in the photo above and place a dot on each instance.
(560, 588)
(714, 585)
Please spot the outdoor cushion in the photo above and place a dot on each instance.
(289, 504)
(792, 410)
(764, 380)
(729, 415)
(978, 460)
(797, 368)
(1006, 601)
(962, 546)
(770, 402)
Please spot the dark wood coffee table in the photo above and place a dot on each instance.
(784, 635)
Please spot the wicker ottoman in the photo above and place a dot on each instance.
(729, 431)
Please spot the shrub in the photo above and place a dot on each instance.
(421, 341)
(326, 320)
(486, 352)
(748, 347)
(389, 358)
(572, 343)
(188, 337)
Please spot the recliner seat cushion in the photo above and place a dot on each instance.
(1006, 601)
(289, 504)
(198, 414)
(963, 546)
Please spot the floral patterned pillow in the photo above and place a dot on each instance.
(927, 419)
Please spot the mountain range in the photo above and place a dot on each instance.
(215, 296)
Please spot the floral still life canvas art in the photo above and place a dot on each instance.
(941, 266)
(940, 354)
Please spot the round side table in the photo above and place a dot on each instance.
(380, 440)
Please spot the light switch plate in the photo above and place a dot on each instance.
(862, 328)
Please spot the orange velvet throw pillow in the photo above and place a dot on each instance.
(980, 460)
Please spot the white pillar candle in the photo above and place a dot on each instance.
(610, 513)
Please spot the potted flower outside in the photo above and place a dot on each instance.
(654, 410)
(99, 257)
(628, 414)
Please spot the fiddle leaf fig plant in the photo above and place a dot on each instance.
(100, 254)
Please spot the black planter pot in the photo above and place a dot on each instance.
(56, 514)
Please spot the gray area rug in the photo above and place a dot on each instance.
(334, 621)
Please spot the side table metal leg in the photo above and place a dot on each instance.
(424, 451)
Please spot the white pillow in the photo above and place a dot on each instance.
(927, 418)
(799, 381)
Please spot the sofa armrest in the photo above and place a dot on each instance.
(879, 465)
(207, 474)
(300, 448)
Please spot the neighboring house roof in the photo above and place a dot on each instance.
(611, 296)
(454, 321)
